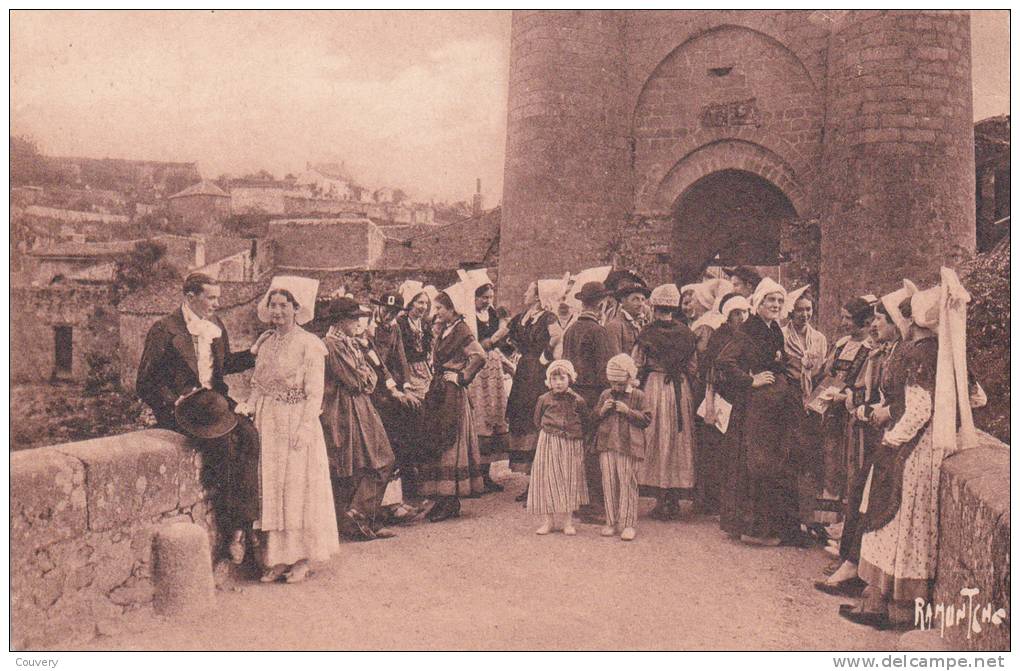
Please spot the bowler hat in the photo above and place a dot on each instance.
(345, 308)
(591, 291)
(205, 414)
(390, 299)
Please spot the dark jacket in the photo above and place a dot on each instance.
(169, 365)
(587, 346)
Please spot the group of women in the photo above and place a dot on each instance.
(756, 420)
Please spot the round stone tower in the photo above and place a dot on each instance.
(899, 152)
(566, 182)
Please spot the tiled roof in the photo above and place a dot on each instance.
(474, 240)
(203, 188)
(162, 298)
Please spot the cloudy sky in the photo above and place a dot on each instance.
(408, 99)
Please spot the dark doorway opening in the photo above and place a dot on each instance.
(63, 353)
(734, 214)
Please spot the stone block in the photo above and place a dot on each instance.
(48, 502)
(183, 570)
(130, 477)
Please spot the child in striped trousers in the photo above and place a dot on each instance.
(558, 486)
(621, 419)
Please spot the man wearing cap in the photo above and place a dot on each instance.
(360, 456)
(587, 346)
(624, 328)
(744, 280)
(186, 351)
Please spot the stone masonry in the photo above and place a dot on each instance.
(82, 517)
(617, 120)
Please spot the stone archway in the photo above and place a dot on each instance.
(734, 213)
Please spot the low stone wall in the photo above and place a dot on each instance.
(82, 520)
(974, 550)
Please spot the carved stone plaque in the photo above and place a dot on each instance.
(737, 113)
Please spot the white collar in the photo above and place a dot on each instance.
(198, 326)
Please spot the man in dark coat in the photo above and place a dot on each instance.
(586, 344)
(188, 350)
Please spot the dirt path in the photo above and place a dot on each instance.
(486, 581)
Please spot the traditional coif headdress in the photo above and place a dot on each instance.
(621, 368)
(665, 296)
(560, 366)
(791, 300)
(766, 287)
(304, 291)
(411, 289)
(891, 302)
(732, 302)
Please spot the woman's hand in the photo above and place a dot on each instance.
(261, 339)
(622, 407)
(761, 379)
(880, 415)
(450, 376)
(245, 409)
(607, 406)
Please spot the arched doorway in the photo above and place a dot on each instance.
(734, 214)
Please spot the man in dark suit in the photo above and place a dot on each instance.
(588, 346)
(189, 350)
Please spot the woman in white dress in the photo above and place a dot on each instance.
(298, 520)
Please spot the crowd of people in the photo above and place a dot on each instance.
(714, 398)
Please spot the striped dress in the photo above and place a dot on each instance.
(558, 483)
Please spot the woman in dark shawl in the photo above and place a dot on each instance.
(455, 469)
(752, 375)
(665, 356)
(531, 336)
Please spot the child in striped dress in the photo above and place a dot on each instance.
(621, 416)
(558, 485)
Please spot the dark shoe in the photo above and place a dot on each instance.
(875, 620)
(491, 485)
(851, 588)
(236, 548)
(522, 497)
(444, 510)
(798, 539)
(384, 533)
(355, 527)
(660, 512)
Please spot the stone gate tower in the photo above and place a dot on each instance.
(657, 139)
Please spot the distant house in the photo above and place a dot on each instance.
(328, 180)
(75, 261)
(324, 244)
(201, 207)
(470, 241)
(266, 197)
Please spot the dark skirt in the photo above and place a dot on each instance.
(457, 470)
(759, 495)
(528, 385)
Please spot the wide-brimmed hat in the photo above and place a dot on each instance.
(749, 275)
(626, 287)
(205, 414)
(391, 300)
(592, 291)
(345, 307)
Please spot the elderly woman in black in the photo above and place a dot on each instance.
(455, 468)
(751, 374)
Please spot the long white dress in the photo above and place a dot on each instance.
(298, 515)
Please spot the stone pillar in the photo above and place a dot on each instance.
(899, 152)
(183, 571)
(566, 183)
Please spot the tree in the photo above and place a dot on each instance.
(399, 196)
(143, 265)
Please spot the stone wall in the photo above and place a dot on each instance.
(974, 547)
(36, 311)
(82, 520)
